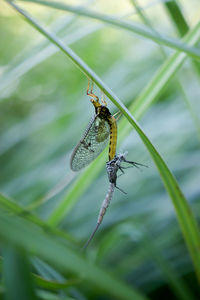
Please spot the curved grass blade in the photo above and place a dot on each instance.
(134, 27)
(21, 233)
(182, 26)
(37, 55)
(184, 214)
(53, 284)
(177, 17)
(15, 209)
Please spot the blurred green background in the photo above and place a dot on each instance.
(43, 113)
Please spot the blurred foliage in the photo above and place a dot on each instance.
(43, 113)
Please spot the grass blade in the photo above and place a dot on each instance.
(52, 284)
(177, 17)
(136, 28)
(23, 234)
(180, 23)
(17, 70)
(183, 25)
(16, 270)
(15, 209)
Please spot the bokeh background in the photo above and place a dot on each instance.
(44, 110)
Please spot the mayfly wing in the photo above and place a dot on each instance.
(102, 130)
(91, 145)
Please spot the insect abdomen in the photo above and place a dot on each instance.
(113, 137)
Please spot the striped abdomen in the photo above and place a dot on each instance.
(104, 113)
(113, 137)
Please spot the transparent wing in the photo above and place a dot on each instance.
(91, 145)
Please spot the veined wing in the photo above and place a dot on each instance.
(91, 145)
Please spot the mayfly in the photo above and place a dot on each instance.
(96, 136)
(112, 168)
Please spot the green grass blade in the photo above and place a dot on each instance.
(21, 233)
(42, 282)
(177, 285)
(16, 270)
(184, 214)
(145, 19)
(36, 56)
(52, 284)
(15, 209)
(180, 24)
(136, 28)
(46, 295)
(163, 76)
(177, 17)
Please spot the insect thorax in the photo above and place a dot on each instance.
(103, 112)
(112, 168)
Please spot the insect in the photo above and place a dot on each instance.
(96, 136)
(112, 168)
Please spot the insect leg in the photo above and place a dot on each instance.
(119, 115)
(122, 171)
(90, 93)
(133, 163)
(121, 190)
(103, 101)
